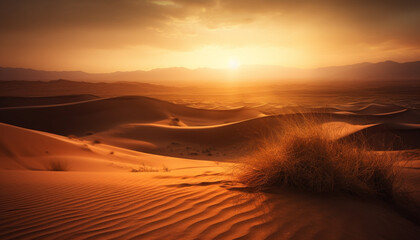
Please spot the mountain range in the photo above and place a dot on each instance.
(387, 70)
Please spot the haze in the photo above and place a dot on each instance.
(106, 36)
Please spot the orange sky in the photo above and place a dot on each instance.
(106, 36)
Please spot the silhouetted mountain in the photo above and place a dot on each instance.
(363, 71)
(38, 75)
(388, 70)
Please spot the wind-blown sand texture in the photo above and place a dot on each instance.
(141, 168)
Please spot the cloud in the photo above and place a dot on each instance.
(315, 27)
(76, 14)
(385, 18)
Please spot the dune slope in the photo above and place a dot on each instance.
(388, 136)
(24, 149)
(102, 114)
(38, 101)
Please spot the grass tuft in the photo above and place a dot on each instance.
(305, 158)
(165, 168)
(144, 168)
(57, 165)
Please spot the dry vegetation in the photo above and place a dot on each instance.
(145, 168)
(305, 158)
(57, 165)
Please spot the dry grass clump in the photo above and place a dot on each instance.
(165, 168)
(144, 168)
(57, 165)
(303, 157)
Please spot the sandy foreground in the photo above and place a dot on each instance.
(140, 168)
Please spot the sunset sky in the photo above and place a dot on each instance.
(106, 36)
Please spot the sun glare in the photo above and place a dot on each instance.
(234, 63)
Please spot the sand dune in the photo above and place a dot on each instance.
(221, 141)
(403, 116)
(103, 114)
(24, 149)
(399, 116)
(410, 116)
(38, 101)
(172, 193)
(213, 142)
(387, 136)
(84, 118)
(39, 150)
(159, 127)
(226, 141)
(373, 108)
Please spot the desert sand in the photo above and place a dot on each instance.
(132, 167)
(210, 119)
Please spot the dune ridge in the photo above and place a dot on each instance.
(10, 101)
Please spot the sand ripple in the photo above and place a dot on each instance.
(80, 205)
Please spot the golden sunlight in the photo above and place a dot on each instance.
(233, 63)
(210, 119)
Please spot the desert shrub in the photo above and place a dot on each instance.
(85, 147)
(144, 168)
(165, 168)
(304, 157)
(71, 136)
(57, 165)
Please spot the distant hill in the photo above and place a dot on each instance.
(66, 88)
(388, 70)
(38, 75)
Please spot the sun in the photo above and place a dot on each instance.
(233, 63)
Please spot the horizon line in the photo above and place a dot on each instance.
(210, 68)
